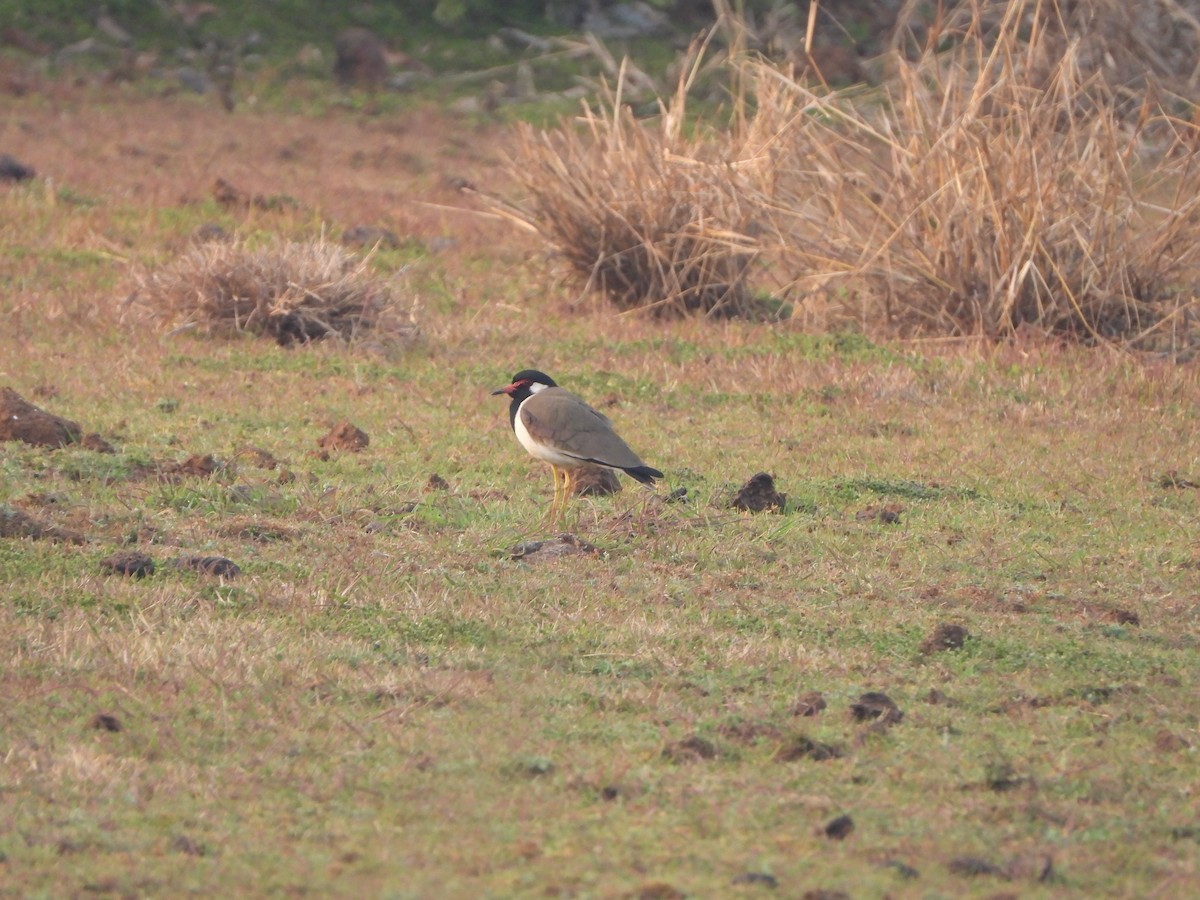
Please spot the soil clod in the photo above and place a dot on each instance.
(690, 749)
(594, 481)
(20, 420)
(11, 169)
(946, 636)
(876, 705)
(106, 722)
(130, 563)
(344, 436)
(766, 879)
(809, 704)
(839, 828)
(759, 494)
(973, 866)
(95, 443)
(217, 566)
(555, 548)
(16, 524)
(802, 747)
(436, 483)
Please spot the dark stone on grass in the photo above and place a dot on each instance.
(11, 169)
(679, 495)
(344, 436)
(809, 704)
(759, 494)
(611, 792)
(801, 747)
(765, 879)
(106, 722)
(129, 563)
(946, 636)
(436, 483)
(876, 705)
(217, 566)
(690, 749)
(21, 421)
(839, 829)
(974, 866)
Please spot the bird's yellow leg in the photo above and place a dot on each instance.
(553, 514)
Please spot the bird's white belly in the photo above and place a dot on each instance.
(541, 451)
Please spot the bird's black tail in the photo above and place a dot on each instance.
(644, 474)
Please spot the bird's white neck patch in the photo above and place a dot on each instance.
(537, 386)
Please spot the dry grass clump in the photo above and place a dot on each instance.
(991, 187)
(1131, 45)
(295, 292)
(653, 216)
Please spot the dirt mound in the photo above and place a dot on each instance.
(22, 421)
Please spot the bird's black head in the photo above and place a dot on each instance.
(525, 383)
(523, 386)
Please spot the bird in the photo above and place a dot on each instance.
(560, 429)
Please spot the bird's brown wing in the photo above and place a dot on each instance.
(558, 419)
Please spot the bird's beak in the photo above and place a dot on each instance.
(505, 390)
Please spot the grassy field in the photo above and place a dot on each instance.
(385, 703)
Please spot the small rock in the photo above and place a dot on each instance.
(436, 483)
(106, 722)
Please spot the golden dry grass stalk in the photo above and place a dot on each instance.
(990, 187)
(293, 291)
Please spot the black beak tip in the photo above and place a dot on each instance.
(502, 390)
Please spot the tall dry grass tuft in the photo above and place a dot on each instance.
(294, 292)
(989, 187)
(655, 216)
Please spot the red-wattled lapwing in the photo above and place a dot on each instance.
(558, 428)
